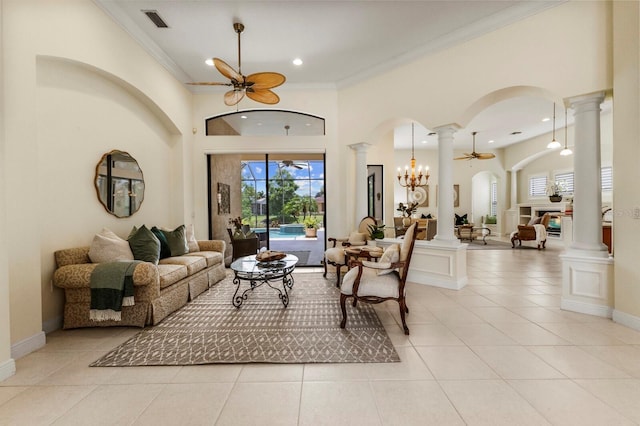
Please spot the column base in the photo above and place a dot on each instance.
(587, 283)
(436, 263)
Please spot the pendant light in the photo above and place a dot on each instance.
(566, 151)
(554, 143)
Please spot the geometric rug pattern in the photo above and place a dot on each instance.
(211, 330)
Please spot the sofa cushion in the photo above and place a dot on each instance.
(144, 245)
(212, 257)
(165, 251)
(192, 263)
(171, 274)
(177, 240)
(390, 255)
(108, 247)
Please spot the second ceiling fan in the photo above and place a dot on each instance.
(256, 86)
(474, 154)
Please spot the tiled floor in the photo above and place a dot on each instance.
(500, 351)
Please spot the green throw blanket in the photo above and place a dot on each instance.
(111, 289)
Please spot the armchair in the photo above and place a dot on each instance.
(373, 282)
(532, 232)
(243, 246)
(335, 255)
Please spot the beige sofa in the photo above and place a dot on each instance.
(158, 289)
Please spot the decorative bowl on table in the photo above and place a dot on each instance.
(270, 256)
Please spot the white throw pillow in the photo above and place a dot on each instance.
(191, 239)
(357, 238)
(108, 247)
(390, 255)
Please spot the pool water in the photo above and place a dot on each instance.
(277, 234)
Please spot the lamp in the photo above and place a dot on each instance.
(554, 143)
(566, 151)
(413, 180)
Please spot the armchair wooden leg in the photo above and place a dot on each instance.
(343, 307)
(324, 262)
(403, 309)
(338, 273)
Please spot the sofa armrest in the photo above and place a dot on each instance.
(79, 276)
(212, 245)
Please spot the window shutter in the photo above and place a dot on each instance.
(494, 198)
(537, 186)
(567, 180)
(606, 175)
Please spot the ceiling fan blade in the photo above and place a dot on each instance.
(232, 97)
(265, 80)
(485, 156)
(226, 70)
(209, 83)
(466, 157)
(264, 96)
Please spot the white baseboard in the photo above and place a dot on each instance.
(625, 319)
(28, 345)
(586, 308)
(7, 369)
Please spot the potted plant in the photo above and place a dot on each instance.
(406, 212)
(311, 225)
(554, 190)
(376, 232)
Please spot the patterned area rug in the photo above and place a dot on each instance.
(491, 245)
(211, 330)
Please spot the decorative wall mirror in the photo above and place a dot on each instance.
(119, 183)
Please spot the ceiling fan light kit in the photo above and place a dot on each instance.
(412, 181)
(554, 143)
(255, 86)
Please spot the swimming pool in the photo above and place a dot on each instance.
(286, 232)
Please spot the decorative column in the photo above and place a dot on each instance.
(445, 234)
(587, 269)
(514, 189)
(360, 195)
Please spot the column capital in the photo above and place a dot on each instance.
(589, 98)
(447, 129)
(360, 146)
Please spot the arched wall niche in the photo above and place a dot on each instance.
(265, 122)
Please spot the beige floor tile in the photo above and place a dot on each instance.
(214, 373)
(490, 402)
(261, 403)
(79, 372)
(529, 334)
(509, 300)
(36, 366)
(516, 362)
(455, 363)
(620, 332)
(338, 403)
(410, 367)
(336, 372)
(539, 314)
(497, 314)
(626, 358)
(41, 405)
(433, 335)
(111, 404)
(581, 334)
(575, 363)
(549, 300)
(168, 408)
(623, 395)
(404, 403)
(481, 334)
(455, 315)
(565, 402)
(7, 393)
(271, 373)
(147, 374)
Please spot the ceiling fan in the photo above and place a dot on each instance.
(474, 154)
(291, 163)
(255, 86)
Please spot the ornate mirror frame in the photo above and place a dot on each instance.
(119, 183)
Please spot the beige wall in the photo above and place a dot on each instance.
(626, 153)
(68, 100)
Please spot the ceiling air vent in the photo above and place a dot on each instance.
(155, 18)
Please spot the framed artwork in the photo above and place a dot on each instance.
(456, 195)
(420, 195)
(224, 198)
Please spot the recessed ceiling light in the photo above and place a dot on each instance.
(491, 141)
(544, 120)
(244, 117)
(209, 62)
(307, 124)
(297, 62)
(424, 141)
(258, 124)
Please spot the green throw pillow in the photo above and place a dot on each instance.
(165, 250)
(144, 245)
(177, 240)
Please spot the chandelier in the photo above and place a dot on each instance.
(411, 181)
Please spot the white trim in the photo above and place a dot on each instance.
(586, 308)
(28, 345)
(626, 319)
(7, 369)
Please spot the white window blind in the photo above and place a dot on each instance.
(606, 174)
(537, 186)
(494, 198)
(566, 181)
